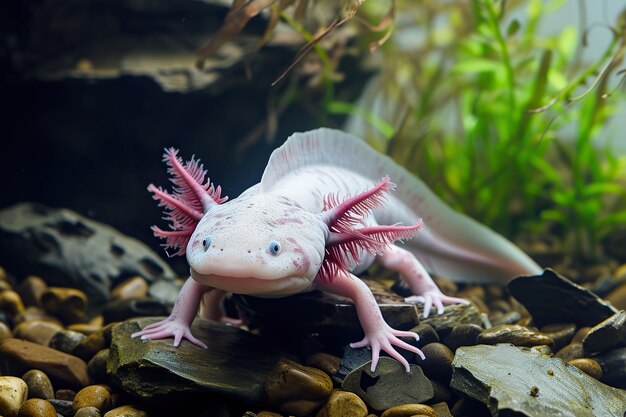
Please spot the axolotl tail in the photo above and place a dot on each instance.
(450, 244)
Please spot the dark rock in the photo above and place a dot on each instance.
(510, 317)
(97, 366)
(332, 319)
(63, 407)
(506, 377)
(73, 251)
(514, 334)
(389, 385)
(551, 298)
(606, 334)
(352, 359)
(438, 362)
(453, 316)
(235, 364)
(66, 340)
(426, 335)
(613, 364)
(296, 389)
(123, 309)
(462, 335)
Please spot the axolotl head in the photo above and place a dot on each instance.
(258, 244)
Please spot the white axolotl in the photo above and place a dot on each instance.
(320, 215)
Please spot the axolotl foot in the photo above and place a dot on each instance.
(385, 338)
(168, 328)
(434, 298)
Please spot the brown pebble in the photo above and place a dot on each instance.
(69, 304)
(296, 389)
(135, 287)
(5, 331)
(442, 409)
(34, 313)
(93, 396)
(11, 302)
(438, 362)
(85, 328)
(572, 351)
(408, 410)
(268, 414)
(581, 334)
(324, 361)
(617, 297)
(620, 272)
(36, 407)
(462, 335)
(18, 356)
(87, 412)
(13, 393)
(561, 333)
(500, 305)
(343, 403)
(131, 411)
(94, 343)
(31, 289)
(588, 366)
(39, 385)
(37, 331)
(66, 340)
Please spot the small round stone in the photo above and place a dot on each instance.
(426, 333)
(87, 412)
(409, 410)
(572, 351)
(93, 396)
(588, 366)
(325, 362)
(580, 334)
(84, 328)
(34, 313)
(438, 362)
(5, 331)
(13, 393)
(462, 335)
(39, 385)
(561, 333)
(31, 289)
(66, 340)
(63, 407)
(268, 414)
(65, 394)
(343, 403)
(69, 304)
(130, 411)
(37, 331)
(36, 407)
(11, 302)
(135, 287)
(97, 366)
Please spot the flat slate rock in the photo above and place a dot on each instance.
(552, 298)
(71, 250)
(505, 377)
(235, 364)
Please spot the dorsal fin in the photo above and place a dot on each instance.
(458, 247)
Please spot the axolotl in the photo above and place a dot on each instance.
(321, 214)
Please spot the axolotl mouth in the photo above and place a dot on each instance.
(267, 287)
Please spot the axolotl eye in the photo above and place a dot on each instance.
(274, 247)
(206, 243)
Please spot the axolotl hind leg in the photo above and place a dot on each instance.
(178, 324)
(378, 334)
(419, 281)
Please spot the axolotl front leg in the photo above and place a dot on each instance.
(378, 334)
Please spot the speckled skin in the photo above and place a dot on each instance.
(233, 246)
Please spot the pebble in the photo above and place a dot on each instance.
(131, 411)
(341, 404)
(5, 331)
(510, 317)
(580, 334)
(18, 356)
(63, 407)
(84, 328)
(31, 289)
(606, 334)
(408, 410)
(11, 302)
(572, 351)
(65, 394)
(97, 366)
(462, 335)
(441, 391)
(500, 305)
(268, 414)
(351, 360)
(34, 313)
(13, 393)
(36, 407)
(297, 389)
(37, 331)
(426, 335)
(66, 340)
(325, 362)
(39, 385)
(135, 287)
(87, 412)
(438, 362)
(92, 344)
(68, 304)
(514, 334)
(561, 333)
(588, 366)
(93, 396)
(126, 308)
(442, 409)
